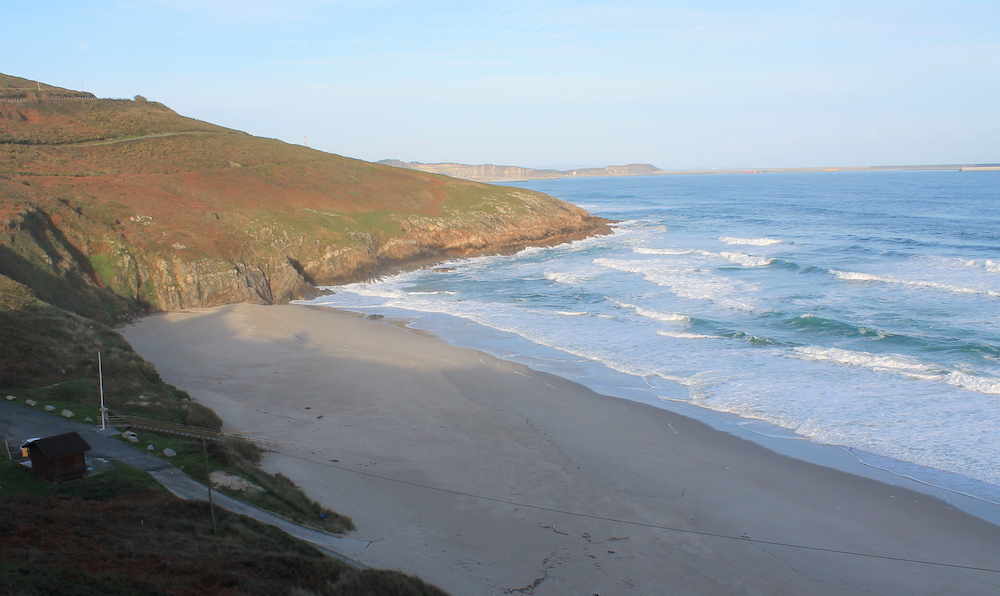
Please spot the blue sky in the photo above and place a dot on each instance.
(677, 84)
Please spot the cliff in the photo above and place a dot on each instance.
(492, 173)
(116, 206)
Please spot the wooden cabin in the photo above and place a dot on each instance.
(59, 458)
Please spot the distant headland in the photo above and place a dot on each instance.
(495, 173)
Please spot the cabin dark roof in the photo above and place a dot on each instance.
(62, 445)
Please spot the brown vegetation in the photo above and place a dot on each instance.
(147, 209)
(116, 534)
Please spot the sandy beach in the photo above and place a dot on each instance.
(485, 477)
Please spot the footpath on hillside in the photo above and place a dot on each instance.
(18, 423)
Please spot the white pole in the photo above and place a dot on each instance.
(104, 411)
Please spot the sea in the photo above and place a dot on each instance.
(853, 309)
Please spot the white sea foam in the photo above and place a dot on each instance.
(856, 276)
(988, 385)
(561, 277)
(903, 365)
(694, 284)
(739, 258)
(566, 313)
(747, 260)
(751, 241)
(667, 251)
(988, 265)
(652, 314)
(889, 363)
(682, 335)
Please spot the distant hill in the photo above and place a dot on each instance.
(492, 173)
(110, 206)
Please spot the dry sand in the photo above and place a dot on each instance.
(457, 467)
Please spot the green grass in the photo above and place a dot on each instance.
(16, 479)
(78, 397)
(119, 533)
(51, 356)
(279, 495)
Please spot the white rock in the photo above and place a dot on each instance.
(11, 397)
(88, 419)
(150, 447)
(66, 414)
(169, 452)
(130, 436)
(30, 402)
(220, 478)
(50, 408)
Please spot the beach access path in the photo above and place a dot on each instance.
(18, 422)
(483, 476)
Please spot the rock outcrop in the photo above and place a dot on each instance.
(58, 261)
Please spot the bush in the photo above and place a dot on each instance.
(233, 452)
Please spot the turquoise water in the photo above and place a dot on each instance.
(859, 309)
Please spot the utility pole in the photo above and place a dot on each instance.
(104, 411)
(208, 478)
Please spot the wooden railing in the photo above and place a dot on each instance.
(10, 453)
(183, 430)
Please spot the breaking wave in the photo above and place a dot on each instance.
(855, 276)
(751, 241)
(652, 314)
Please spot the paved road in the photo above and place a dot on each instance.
(19, 422)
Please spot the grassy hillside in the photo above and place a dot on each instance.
(113, 208)
(147, 209)
(118, 533)
(50, 354)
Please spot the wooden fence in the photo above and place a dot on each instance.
(183, 430)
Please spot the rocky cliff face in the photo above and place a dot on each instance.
(69, 263)
(492, 173)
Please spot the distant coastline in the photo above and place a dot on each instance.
(959, 167)
(495, 173)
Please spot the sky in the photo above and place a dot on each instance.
(678, 84)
